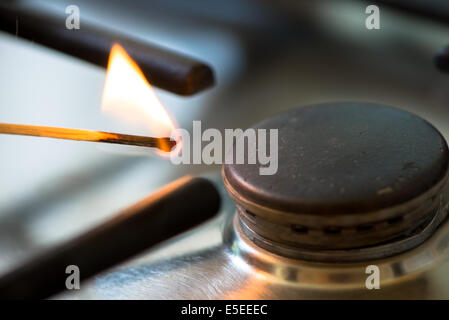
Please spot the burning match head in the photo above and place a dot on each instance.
(166, 144)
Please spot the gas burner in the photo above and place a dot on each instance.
(356, 181)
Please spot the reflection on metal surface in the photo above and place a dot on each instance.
(328, 276)
(232, 267)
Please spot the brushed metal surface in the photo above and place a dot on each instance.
(43, 205)
(223, 264)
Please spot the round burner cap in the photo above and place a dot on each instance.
(345, 157)
(343, 165)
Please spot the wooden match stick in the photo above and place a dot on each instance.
(164, 144)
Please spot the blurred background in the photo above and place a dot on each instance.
(267, 56)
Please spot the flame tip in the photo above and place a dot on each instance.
(129, 95)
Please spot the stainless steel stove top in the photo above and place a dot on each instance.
(268, 58)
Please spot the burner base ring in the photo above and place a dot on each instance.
(379, 251)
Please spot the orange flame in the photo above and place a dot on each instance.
(128, 95)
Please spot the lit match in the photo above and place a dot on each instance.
(164, 144)
(128, 95)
